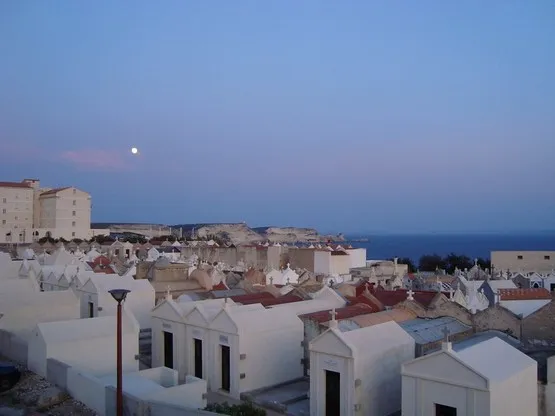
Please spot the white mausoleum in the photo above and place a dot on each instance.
(489, 378)
(358, 372)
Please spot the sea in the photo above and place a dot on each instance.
(381, 247)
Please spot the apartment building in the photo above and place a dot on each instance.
(16, 205)
(524, 261)
(28, 212)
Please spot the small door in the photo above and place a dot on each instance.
(226, 370)
(333, 393)
(168, 349)
(91, 310)
(198, 358)
(443, 410)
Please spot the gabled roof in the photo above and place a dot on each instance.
(251, 298)
(54, 191)
(495, 359)
(280, 301)
(524, 294)
(500, 284)
(341, 313)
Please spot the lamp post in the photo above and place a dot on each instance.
(119, 295)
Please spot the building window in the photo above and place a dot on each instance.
(73, 234)
(4, 200)
(74, 202)
(16, 218)
(4, 211)
(73, 213)
(73, 223)
(547, 257)
(3, 222)
(519, 257)
(74, 191)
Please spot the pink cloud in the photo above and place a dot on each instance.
(96, 159)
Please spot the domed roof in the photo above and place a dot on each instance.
(203, 279)
(162, 262)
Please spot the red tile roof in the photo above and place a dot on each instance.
(342, 313)
(393, 297)
(251, 298)
(15, 185)
(524, 294)
(361, 286)
(365, 301)
(101, 260)
(281, 300)
(54, 191)
(220, 286)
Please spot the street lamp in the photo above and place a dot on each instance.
(119, 295)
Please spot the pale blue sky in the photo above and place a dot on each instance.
(344, 115)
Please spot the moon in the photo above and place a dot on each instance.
(134, 150)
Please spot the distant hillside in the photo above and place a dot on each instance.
(236, 233)
(151, 230)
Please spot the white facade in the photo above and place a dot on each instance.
(490, 378)
(168, 317)
(67, 210)
(361, 367)
(16, 206)
(357, 257)
(265, 347)
(96, 300)
(89, 344)
(523, 261)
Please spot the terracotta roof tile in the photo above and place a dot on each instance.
(364, 300)
(251, 298)
(342, 313)
(15, 185)
(55, 191)
(524, 294)
(281, 300)
(220, 286)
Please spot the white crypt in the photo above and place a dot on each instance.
(487, 378)
(358, 372)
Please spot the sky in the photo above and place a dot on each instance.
(379, 116)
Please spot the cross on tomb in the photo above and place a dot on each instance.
(168, 291)
(410, 294)
(446, 333)
(333, 314)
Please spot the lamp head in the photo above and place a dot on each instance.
(119, 294)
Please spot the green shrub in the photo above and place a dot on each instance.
(243, 409)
